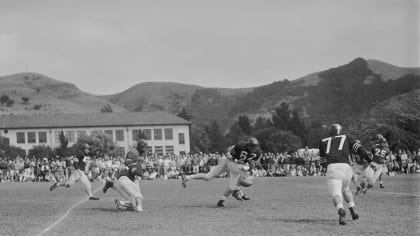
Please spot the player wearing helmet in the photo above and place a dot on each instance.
(361, 167)
(78, 173)
(334, 152)
(127, 184)
(379, 151)
(244, 152)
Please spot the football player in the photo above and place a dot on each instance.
(334, 152)
(361, 167)
(78, 173)
(244, 152)
(379, 151)
(128, 184)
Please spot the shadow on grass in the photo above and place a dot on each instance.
(304, 221)
(211, 206)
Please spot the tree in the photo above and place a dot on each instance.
(106, 108)
(41, 151)
(200, 141)
(10, 151)
(4, 99)
(99, 143)
(10, 103)
(183, 114)
(216, 138)
(25, 100)
(281, 117)
(62, 150)
(245, 124)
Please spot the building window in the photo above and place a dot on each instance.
(119, 135)
(81, 133)
(169, 149)
(169, 134)
(57, 136)
(20, 137)
(159, 150)
(135, 133)
(31, 137)
(70, 136)
(157, 134)
(110, 133)
(42, 137)
(120, 151)
(148, 134)
(181, 137)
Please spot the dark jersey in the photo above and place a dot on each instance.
(379, 152)
(358, 159)
(132, 171)
(81, 163)
(241, 152)
(336, 149)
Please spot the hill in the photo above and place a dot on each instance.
(151, 96)
(35, 93)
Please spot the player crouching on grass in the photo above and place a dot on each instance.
(128, 185)
(334, 152)
(244, 152)
(78, 173)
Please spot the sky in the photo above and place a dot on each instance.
(108, 46)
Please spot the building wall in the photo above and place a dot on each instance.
(126, 133)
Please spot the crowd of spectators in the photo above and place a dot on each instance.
(304, 162)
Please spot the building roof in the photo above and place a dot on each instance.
(70, 120)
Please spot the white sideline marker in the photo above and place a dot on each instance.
(65, 214)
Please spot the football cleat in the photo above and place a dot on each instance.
(381, 186)
(221, 203)
(184, 180)
(108, 184)
(246, 197)
(237, 194)
(93, 198)
(54, 186)
(369, 186)
(342, 214)
(354, 215)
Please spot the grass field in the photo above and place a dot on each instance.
(279, 206)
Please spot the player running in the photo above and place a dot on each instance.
(334, 152)
(128, 185)
(78, 173)
(379, 151)
(243, 152)
(361, 167)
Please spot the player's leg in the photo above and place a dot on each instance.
(74, 176)
(376, 174)
(131, 189)
(347, 194)
(334, 187)
(218, 170)
(88, 187)
(233, 188)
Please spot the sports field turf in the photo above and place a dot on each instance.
(278, 206)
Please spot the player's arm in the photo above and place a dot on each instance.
(322, 155)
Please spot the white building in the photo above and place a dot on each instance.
(165, 133)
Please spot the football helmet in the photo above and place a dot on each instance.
(252, 144)
(335, 129)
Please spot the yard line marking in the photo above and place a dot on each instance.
(65, 214)
(395, 193)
